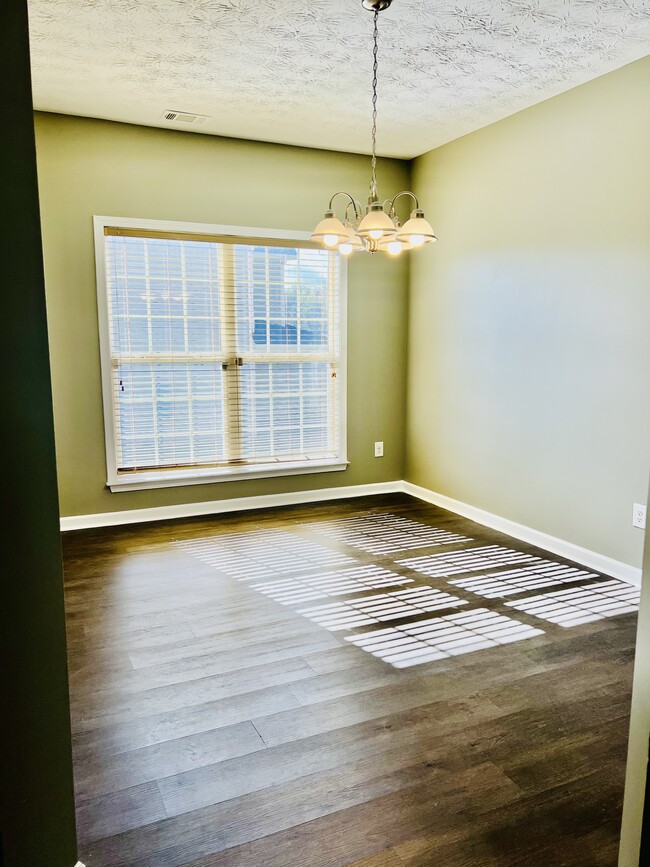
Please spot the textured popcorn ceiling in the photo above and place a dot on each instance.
(298, 71)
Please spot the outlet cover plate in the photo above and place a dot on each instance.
(639, 516)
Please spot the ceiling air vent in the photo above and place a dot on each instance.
(184, 117)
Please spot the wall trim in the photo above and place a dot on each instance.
(238, 504)
(599, 562)
(561, 547)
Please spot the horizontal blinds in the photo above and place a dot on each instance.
(223, 352)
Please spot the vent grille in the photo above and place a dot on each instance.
(184, 117)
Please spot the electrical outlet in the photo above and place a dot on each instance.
(379, 450)
(638, 516)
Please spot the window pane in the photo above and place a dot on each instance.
(283, 299)
(157, 287)
(211, 345)
(170, 414)
(286, 409)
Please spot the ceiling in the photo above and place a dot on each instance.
(299, 71)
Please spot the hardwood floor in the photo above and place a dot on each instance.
(222, 718)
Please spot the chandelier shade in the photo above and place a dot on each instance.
(376, 224)
(352, 243)
(330, 231)
(416, 230)
(379, 228)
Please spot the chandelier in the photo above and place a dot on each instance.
(379, 229)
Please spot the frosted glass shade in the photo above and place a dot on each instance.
(330, 231)
(416, 230)
(352, 243)
(376, 224)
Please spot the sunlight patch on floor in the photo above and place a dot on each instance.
(381, 607)
(262, 554)
(441, 637)
(469, 560)
(520, 580)
(339, 583)
(582, 604)
(385, 533)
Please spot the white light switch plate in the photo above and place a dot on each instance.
(379, 450)
(638, 516)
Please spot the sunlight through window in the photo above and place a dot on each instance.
(262, 554)
(519, 580)
(383, 606)
(385, 533)
(582, 604)
(442, 637)
(339, 583)
(470, 560)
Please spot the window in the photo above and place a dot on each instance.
(221, 353)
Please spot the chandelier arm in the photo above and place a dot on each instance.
(403, 193)
(357, 210)
(352, 201)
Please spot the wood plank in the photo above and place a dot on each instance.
(192, 668)
(203, 652)
(131, 734)
(556, 827)
(433, 801)
(119, 812)
(435, 690)
(158, 761)
(255, 817)
(409, 731)
(106, 708)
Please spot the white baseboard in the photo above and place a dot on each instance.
(214, 507)
(561, 547)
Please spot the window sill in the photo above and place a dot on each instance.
(147, 480)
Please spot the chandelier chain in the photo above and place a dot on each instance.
(375, 66)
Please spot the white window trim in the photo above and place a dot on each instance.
(145, 479)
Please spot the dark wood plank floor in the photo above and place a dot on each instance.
(216, 727)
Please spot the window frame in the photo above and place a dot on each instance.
(148, 479)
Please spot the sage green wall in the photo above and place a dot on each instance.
(91, 167)
(529, 358)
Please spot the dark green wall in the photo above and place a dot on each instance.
(36, 793)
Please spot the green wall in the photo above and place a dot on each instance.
(527, 364)
(529, 358)
(37, 819)
(91, 167)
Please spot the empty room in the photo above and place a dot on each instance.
(327, 433)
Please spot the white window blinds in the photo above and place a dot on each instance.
(223, 352)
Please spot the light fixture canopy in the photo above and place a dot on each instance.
(379, 229)
(376, 5)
